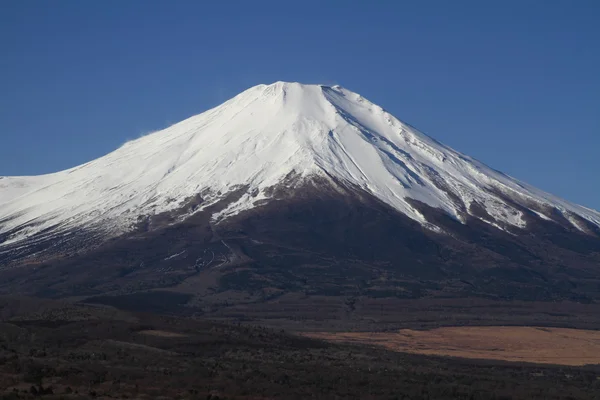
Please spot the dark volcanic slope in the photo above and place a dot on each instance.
(354, 244)
(322, 242)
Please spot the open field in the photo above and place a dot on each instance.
(525, 344)
(73, 351)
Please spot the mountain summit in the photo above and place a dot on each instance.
(282, 134)
(297, 190)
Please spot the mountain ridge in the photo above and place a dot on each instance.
(282, 134)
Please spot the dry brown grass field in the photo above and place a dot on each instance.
(525, 344)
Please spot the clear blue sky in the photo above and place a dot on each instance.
(515, 84)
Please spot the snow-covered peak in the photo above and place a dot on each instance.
(257, 139)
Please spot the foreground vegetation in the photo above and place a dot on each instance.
(83, 352)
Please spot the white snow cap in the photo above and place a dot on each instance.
(256, 139)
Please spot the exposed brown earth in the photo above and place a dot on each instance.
(525, 344)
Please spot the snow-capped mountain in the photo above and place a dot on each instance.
(283, 134)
